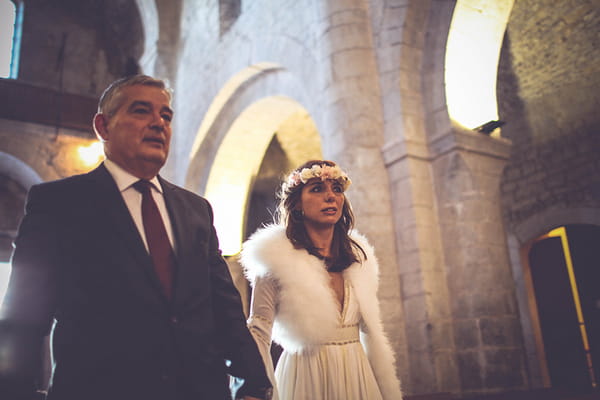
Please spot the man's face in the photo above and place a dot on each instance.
(138, 135)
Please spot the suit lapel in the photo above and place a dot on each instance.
(183, 232)
(126, 242)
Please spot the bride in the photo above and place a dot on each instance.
(314, 292)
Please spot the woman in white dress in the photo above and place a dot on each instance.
(314, 292)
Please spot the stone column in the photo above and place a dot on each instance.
(467, 167)
(352, 134)
(429, 334)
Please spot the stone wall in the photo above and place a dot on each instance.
(560, 173)
(484, 314)
(52, 152)
(400, 31)
(79, 46)
(549, 95)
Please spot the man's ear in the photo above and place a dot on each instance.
(100, 126)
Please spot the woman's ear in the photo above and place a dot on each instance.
(100, 126)
(297, 215)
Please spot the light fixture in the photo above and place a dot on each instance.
(91, 154)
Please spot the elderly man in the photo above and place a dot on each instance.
(125, 268)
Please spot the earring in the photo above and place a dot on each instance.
(297, 215)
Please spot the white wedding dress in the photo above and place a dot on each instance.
(335, 370)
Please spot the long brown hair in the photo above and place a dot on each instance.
(344, 250)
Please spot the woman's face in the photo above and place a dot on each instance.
(321, 202)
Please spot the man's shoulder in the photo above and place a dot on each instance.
(74, 180)
(74, 188)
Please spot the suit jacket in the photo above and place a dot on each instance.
(80, 261)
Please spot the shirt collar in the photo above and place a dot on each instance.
(124, 179)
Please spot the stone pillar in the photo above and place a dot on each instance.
(429, 334)
(352, 134)
(467, 167)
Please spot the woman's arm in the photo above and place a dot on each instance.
(260, 321)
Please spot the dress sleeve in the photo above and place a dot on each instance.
(260, 322)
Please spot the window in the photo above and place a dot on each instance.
(10, 37)
(4, 275)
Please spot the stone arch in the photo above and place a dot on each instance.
(17, 170)
(233, 171)
(471, 60)
(250, 85)
(523, 235)
(230, 144)
(549, 219)
(435, 110)
(443, 60)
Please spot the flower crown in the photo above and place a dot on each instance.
(322, 171)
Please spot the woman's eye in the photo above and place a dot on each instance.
(338, 189)
(316, 189)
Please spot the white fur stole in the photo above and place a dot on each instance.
(307, 303)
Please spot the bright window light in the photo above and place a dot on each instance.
(472, 56)
(4, 275)
(233, 171)
(8, 12)
(91, 154)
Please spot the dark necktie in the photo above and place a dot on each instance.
(156, 237)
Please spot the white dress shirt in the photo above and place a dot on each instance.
(133, 199)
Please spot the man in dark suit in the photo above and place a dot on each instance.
(129, 278)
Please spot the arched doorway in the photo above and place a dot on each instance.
(565, 273)
(236, 133)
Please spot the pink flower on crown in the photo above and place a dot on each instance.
(329, 173)
(323, 172)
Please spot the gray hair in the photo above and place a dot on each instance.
(110, 100)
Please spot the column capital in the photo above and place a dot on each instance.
(455, 139)
(470, 141)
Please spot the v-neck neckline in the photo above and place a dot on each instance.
(344, 303)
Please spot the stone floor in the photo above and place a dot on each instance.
(539, 394)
